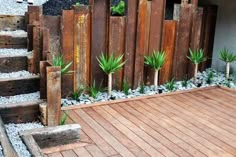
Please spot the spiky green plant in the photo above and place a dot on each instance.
(93, 90)
(75, 95)
(119, 9)
(210, 77)
(228, 57)
(196, 57)
(125, 87)
(155, 61)
(142, 88)
(110, 64)
(185, 81)
(170, 85)
(59, 61)
(77, 4)
(64, 118)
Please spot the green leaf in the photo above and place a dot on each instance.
(59, 61)
(227, 56)
(156, 60)
(196, 56)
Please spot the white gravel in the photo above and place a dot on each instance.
(11, 7)
(20, 98)
(16, 33)
(217, 79)
(1, 153)
(14, 52)
(18, 74)
(13, 134)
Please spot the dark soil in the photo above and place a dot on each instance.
(54, 7)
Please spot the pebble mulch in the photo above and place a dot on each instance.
(18, 74)
(16, 33)
(1, 153)
(14, 52)
(13, 134)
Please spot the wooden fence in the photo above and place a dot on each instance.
(83, 33)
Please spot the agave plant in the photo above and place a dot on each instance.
(119, 9)
(228, 57)
(110, 65)
(64, 118)
(196, 57)
(155, 61)
(59, 61)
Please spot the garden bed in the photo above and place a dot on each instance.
(205, 79)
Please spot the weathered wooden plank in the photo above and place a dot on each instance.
(30, 37)
(116, 45)
(99, 37)
(35, 15)
(82, 45)
(130, 40)
(210, 25)
(21, 112)
(168, 46)
(36, 50)
(53, 24)
(11, 41)
(67, 44)
(140, 43)
(46, 43)
(156, 28)
(7, 147)
(183, 42)
(53, 95)
(43, 79)
(12, 22)
(15, 86)
(196, 36)
(54, 136)
(12, 64)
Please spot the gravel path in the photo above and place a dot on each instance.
(20, 98)
(13, 134)
(14, 52)
(11, 7)
(18, 74)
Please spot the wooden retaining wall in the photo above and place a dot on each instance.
(83, 33)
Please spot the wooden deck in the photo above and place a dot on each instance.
(196, 123)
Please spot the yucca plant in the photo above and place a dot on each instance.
(110, 64)
(170, 85)
(93, 90)
(142, 89)
(75, 95)
(155, 61)
(64, 118)
(119, 9)
(228, 57)
(196, 57)
(125, 87)
(59, 61)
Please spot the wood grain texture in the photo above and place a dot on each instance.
(130, 40)
(198, 122)
(16, 86)
(140, 43)
(82, 46)
(43, 79)
(183, 42)
(12, 22)
(36, 50)
(12, 64)
(53, 95)
(13, 42)
(169, 39)
(100, 14)
(67, 44)
(116, 46)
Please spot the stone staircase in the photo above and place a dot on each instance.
(15, 79)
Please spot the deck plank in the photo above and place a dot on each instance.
(197, 123)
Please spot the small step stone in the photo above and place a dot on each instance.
(14, 52)
(20, 98)
(18, 74)
(16, 33)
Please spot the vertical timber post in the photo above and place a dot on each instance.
(53, 95)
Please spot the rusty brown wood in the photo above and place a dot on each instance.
(43, 79)
(11, 41)
(36, 49)
(67, 45)
(30, 37)
(183, 42)
(53, 95)
(116, 45)
(156, 28)
(46, 43)
(196, 36)
(53, 24)
(13, 63)
(99, 37)
(169, 39)
(35, 15)
(82, 46)
(209, 34)
(140, 43)
(130, 38)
